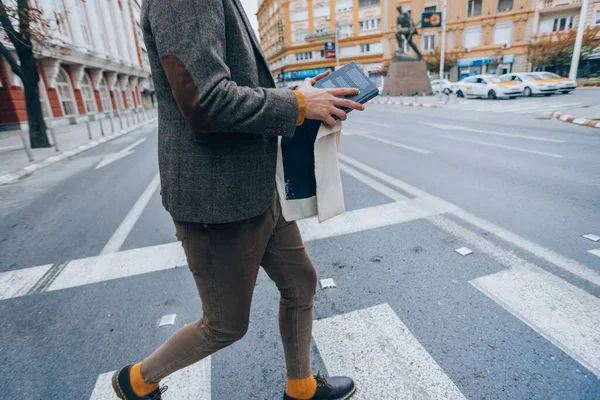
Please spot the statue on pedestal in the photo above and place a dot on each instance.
(406, 30)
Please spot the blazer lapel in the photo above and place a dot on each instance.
(253, 37)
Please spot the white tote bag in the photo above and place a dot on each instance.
(308, 173)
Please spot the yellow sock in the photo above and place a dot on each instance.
(301, 388)
(140, 387)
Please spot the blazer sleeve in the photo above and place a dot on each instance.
(189, 36)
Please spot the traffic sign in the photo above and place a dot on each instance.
(329, 46)
(329, 53)
(431, 19)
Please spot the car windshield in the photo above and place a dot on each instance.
(550, 75)
(493, 80)
(530, 77)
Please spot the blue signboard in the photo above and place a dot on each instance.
(304, 73)
(329, 46)
(468, 62)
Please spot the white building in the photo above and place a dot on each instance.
(94, 64)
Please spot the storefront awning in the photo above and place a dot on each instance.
(468, 62)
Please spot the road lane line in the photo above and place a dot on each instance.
(191, 383)
(381, 188)
(145, 260)
(375, 348)
(396, 144)
(19, 282)
(118, 238)
(501, 146)
(548, 255)
(562, 313)
(486, 132)
(595, 252)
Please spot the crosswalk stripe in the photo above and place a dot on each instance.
(167, 256)
(191, 383)
(501, 146)
(375, 348)
(562, 313)
(396, 144)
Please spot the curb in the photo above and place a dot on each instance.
(578, 121)
(405, 104)
(37, 165)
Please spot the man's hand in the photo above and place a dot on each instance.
(322, 104)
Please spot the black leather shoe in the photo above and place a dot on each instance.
(334, 388)
(122, 386)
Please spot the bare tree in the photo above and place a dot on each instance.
(24, 25)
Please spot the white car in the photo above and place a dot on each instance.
(532, 85)
(487, 86)
(441, 85)
(565, 85)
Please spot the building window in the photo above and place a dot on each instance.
(299, 16)
(300, 36)
(563, 24)
(368, 3)
(304, 56)
(431, 9)
(429, 42)
(597, 17)
(101, 27)
(505, 5)
(88, 95)
(503, 33)
(128, 96)
(371, 48)
(472, 37)
(65, 93)
(105, 96)
(83, 22)
(370, 25)
(346, 30)
(321, 12)
(343, 5)
(60, 17)
(474, 8)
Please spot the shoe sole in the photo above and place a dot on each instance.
(349, 394)
(115, 385)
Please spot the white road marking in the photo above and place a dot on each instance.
(595, 252)
(191, 383)
(501, 146)
(486, 132)
(18, 283)
(120, 235)
(562, 313)
(166, 320)
(381, 188)
(388, 363)
(395, 144)
(548, 255)
(138, 261)
(111, 158)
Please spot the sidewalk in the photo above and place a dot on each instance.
(18, 160)
(586, 116)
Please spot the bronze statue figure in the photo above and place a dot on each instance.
(406, 30)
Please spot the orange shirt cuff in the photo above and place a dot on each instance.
(301, 108)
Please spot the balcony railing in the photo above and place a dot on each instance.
(545, 4)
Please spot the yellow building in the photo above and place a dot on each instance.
(485, 35)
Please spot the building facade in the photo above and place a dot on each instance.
(486, 36)
(94, 64)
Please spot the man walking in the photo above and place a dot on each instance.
(219, 118)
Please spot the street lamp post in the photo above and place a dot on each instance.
(443, 49)
(578, 41)
(337, 54)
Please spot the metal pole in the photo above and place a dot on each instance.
(26, 146)
(337, 50)
(112, 125)
(53, 134)
(121, 121)
(89, 129)
(578, 41)
(101, 127)
(443, 49)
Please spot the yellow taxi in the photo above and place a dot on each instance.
(487, 86)
(565, 85)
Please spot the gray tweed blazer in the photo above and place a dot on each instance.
(219, 113)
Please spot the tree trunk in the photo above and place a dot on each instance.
(38, 135)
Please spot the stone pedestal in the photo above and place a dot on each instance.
(407, 78)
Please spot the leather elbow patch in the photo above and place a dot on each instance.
(185, 94)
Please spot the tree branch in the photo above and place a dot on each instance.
(25, 21)
(7, 25)
(14, 66)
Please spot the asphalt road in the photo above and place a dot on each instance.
(410, 318)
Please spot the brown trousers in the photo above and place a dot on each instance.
(224, 260)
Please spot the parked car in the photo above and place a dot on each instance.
(565, 85)
(532, 85)
(487, 86)
(441, 85)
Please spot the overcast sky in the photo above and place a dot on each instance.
(251, 7)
